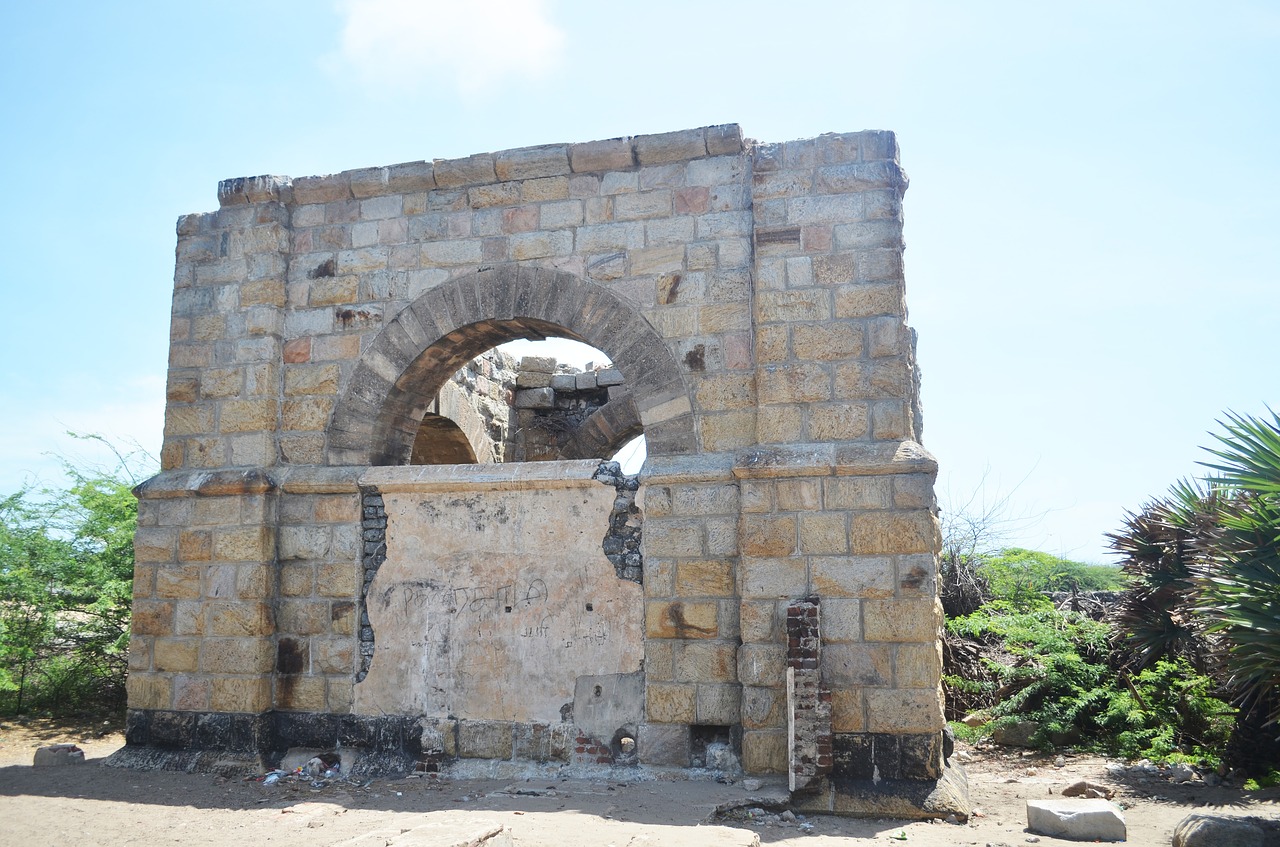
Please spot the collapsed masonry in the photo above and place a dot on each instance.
(369, 532)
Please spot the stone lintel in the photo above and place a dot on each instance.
(887, 458)
(181, 483)
(576, 473)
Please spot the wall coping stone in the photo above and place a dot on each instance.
(180, 483)
(674, 470)
(483, 169)
(884, 458)
(574, 473)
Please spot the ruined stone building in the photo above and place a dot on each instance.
(370, 531)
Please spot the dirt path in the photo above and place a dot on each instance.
(91, 805)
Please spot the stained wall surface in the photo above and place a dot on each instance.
(492, 603)
(752, 297)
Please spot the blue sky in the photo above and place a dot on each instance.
(1091, 226)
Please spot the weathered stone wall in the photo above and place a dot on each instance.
(751, 295)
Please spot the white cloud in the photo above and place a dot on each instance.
(474, 44)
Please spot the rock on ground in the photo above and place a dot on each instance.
(1216, 831)
(1076, 820)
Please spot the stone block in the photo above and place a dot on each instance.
(847, 713)
(149, 691)
(913, 531)
(673, 538)
(841, 620)
(771, 579)
(856, 665)
(762, 664)
(764, 751)
(918, 665)
(857, 493)
(248, 415)
(705, 578)
(240, 694)
(681, 619)
(301, 693)
(706, 661)
(763, 707)
(663, 744)
(767, 535)
(535, 398)
(154, 544)
(671, 703)
(609, 155)
(1076, 820)
(236, 655)
(192, 693)
(824, 533)
(902, 620)
(303, 617)
(904, 710)
(671, 147)
(240, 619)
(852, 576)
(719, 705)
(758, 620)
(247, 544)
(152, 617)
(176, 655)
(178, 582)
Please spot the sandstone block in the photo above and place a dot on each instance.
(762, 664)
(706, 661)
(846, 710)
(240, 619)
(758, 620)
(247, 544)
(240, 694)
(671, 703)
(236, 656)
(918, 665)
(608, 155)
(680, 619)
(856, 665)
(825, 532)
(192, 693)
(247, 415)
(195, 545)
(301, 693)
(176, 655)
(671, 146)
(826, 342)
(768, 535)
(149, 691)
(152, 617)
(904, 710)
(894, 532)
(772, 578)
(178, 582)
(673, 538)
(154, 544)
(764, 751)
(763, 708)
(303, 617)
(719, 705)
(705, 578)
(901, 621)
(857, 493)
(852, 576)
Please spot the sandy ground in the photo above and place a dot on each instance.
(90, 804)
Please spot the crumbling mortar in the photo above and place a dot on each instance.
(622, 539)
(373, 530)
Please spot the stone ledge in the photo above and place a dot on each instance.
(674, 470)
(576, 473)
(183, 483)
(889, 458)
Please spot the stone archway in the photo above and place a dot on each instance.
(397, 378)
